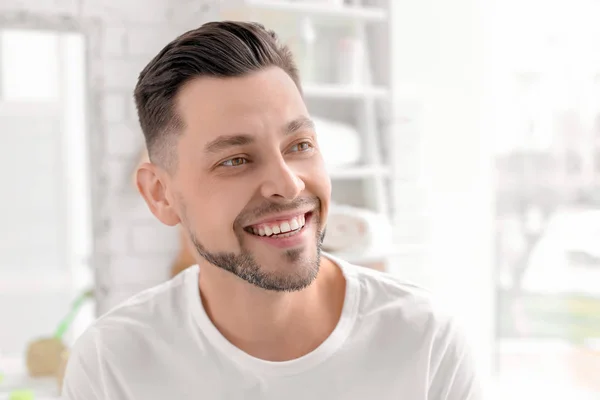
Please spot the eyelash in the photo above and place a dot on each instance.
(246, 161)
(223, 164)
(306, 142)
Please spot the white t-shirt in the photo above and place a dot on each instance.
(390, 343)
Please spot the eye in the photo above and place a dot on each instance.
(234, 162)
(302, 146)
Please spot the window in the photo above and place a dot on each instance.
(45, 235)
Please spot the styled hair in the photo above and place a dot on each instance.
(216, 49)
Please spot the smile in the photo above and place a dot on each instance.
(280, 229)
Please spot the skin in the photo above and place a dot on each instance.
(275, 303)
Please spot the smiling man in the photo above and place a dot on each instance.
(235, 160)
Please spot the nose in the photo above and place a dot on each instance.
(282, 182)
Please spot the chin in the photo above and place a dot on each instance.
(289, 259)
(291, 270)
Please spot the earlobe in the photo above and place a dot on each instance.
(154, 190)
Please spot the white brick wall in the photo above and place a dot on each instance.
(145, 40)
(133, 251)
(148, 237)
(123, 139)
(115, 106)
(114, 39)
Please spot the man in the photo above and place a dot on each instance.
(234, 159)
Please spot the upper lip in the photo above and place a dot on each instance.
(278, 217)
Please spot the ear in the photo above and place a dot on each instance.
(154, 190)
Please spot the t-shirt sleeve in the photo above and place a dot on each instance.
(83, 376)
(453, 374)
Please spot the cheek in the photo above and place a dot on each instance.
(320, 179)
(318, 183)
(325, 199)
(216, 206)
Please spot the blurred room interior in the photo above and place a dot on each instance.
(462, 139)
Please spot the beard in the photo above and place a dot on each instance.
(245, 266)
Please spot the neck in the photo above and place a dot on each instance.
(274, 326)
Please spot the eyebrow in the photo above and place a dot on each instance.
(299, 124)
(227, 141)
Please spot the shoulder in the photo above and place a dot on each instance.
(399, 300)
(411, 316)
(404, 311)
(147, 314)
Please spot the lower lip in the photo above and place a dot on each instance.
(295, 240)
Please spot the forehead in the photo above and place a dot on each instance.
(259, 101)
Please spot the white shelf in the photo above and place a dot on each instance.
(343, 92)
(358, 172)
(317, 9)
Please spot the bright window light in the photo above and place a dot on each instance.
(29, 65)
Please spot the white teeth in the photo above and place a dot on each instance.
(294, 224)
(285, 227)
(282, 229)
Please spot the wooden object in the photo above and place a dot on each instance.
(44, 357)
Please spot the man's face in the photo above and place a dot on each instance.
(250, 185)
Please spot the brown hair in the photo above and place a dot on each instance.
(216, 49)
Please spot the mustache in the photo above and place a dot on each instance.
(273, 208)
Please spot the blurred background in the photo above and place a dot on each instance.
(462, 138)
